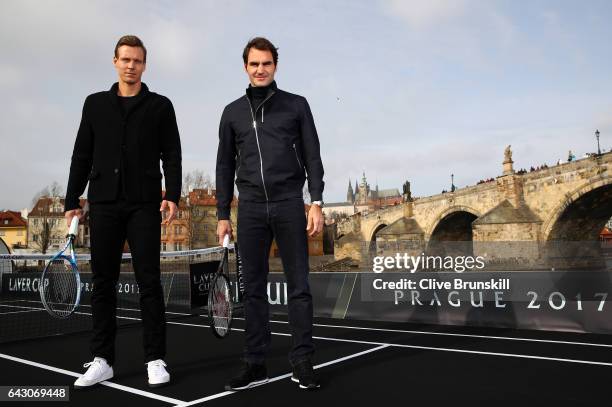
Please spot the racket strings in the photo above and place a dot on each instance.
(60, 287)
(221, 305)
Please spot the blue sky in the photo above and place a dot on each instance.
(425, 88)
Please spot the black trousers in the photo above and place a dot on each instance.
(258, 224)
(111, 223)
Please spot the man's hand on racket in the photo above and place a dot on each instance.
(172, 209)
(71, 214)
(224, 227)
(315, 220)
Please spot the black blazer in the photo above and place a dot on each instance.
(110, 144)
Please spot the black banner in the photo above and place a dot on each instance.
(576, 301)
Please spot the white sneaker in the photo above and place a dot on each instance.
(98, 371)
(158, 375)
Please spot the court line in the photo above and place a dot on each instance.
(284, 376)
(399, 345)
(348, 303)
(19, 312)
(119, 308)
(105, 383)
(508, 338)
(431, 348)
(456, 350)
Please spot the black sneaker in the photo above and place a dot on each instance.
(250, 375)
(304, 374)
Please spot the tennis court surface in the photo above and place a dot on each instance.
(358, 362)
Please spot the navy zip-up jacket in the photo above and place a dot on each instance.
(268, 149)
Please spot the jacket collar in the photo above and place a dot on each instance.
(114, 97)
(272, 88)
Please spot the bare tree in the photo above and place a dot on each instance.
(44, 238)
(42, 193)
(53, 190)
(192, 180)
(56, 190)
(43, 241)
(195, 179)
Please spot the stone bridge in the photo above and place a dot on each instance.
(567, 202)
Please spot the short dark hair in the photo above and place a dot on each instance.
(262, 44)
(130, 41)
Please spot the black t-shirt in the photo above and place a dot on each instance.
(126, 103)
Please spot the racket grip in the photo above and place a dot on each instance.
(74, 226)
(226, 240)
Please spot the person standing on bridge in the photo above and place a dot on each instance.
(123, 134)
(268, 143)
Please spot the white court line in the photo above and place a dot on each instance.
(507, 338)
(20, 312)
(119, 308)
(284, 376)
(105, 383)
(455, 350)
(398, 345)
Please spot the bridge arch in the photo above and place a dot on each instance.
(465, 215)
(377, 228)
(582, 215)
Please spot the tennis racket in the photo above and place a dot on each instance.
(220, 305)
(60, 280)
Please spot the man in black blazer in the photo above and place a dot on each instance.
(123, 135)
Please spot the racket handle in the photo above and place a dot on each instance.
(74, 226)
(226, 240)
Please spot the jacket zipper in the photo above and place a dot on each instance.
(296, 156)
(257, 139)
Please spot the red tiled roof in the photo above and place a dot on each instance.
(42, 206)
(201, 197)
(14, 219)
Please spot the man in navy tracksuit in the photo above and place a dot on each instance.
(268, 143)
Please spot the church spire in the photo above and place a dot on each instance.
(350, 197)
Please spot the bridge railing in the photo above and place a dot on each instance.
(474, 256)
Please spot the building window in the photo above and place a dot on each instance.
(35, 238)
(178, 246)
(6, 221)
(180, 214)
(163, 230)
(163, 246)
(177, 230)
